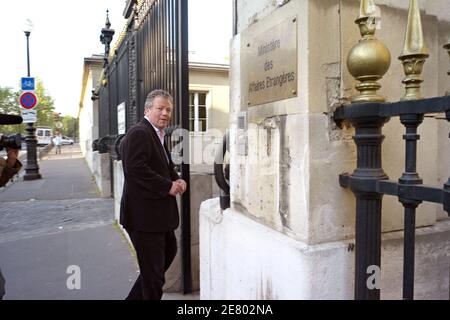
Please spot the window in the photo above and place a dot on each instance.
(197, 111)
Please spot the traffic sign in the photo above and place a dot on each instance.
(29, 116)
(58, 124)
(27, 83)
(28, 100)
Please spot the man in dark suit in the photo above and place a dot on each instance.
(148, 209)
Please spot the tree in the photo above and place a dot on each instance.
(45, 106)
(9, 104)
(8, 101)
(70, 126)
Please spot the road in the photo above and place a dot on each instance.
(50, 225)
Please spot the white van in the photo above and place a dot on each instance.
(44, 135)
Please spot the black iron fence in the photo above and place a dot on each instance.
(367, 62)
(369, 183)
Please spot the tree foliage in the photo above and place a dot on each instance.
(45, 107)
(9, 104)
(70, 126)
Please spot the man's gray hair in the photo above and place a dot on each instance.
(157, 93)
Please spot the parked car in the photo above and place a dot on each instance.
(66, 140)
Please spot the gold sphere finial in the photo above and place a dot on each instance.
(369, 60)
(414, 53)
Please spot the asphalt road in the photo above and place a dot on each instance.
(57, 233)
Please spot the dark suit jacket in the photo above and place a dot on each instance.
(146, 204)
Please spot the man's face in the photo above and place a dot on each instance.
(160, 113)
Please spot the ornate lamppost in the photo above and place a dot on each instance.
(106, 38)
(32, 167)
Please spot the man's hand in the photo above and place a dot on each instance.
(13, 154)
(178, 187)
(182, 184)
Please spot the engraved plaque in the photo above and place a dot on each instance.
(269, 63)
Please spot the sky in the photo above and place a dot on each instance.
(65, 32)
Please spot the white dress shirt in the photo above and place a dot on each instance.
(159, 132)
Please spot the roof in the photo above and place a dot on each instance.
(205, 66)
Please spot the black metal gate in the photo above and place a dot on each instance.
(152, 54)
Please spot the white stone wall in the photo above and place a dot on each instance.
(86, 123)
(118, 187)
(101, 171)
(243, 259)
(88, 117)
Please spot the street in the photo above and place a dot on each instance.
(52, 226)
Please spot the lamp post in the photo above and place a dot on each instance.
(32, 167)
(106, 38)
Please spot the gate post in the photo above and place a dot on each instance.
(368, 138)
(367, 62)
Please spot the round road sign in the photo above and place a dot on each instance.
(28, 100)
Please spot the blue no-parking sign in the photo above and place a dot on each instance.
(28, 100)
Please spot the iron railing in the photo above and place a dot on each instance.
(369, 183)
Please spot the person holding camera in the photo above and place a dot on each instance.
(148, 208)
(10, 166)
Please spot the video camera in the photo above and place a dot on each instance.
(10, 141)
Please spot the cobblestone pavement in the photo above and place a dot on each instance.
(65, 199)
(27, 219)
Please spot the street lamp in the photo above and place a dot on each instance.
(32, 167)
(106, 38)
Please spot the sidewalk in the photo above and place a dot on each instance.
(57, 222)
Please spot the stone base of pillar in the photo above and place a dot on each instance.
(243, 259)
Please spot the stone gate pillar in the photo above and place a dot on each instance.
(290, 230)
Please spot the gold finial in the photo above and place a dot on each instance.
(369, 60)
(447, 47)
(414, 53)
(366, 19)
(367, 9)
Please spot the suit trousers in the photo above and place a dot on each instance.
(155, 253)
